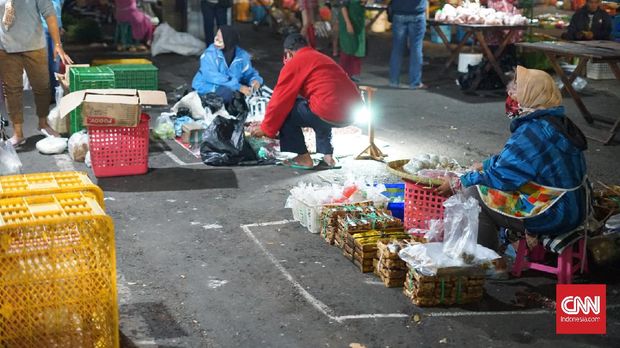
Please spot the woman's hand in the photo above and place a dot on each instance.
(477, 167)
(445, 189)
(255, 85)
(350, 29)
(245, 90)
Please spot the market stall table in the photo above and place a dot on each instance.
(597, 51)
(380, 8)
(477, 31)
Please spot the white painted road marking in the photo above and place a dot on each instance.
(329, 312)
(64, 162)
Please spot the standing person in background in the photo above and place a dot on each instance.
(408, 24)
(259, 10)
(308, 10)
(589, 23)
(142, 27)
(213, 11)
(335, 22)
(53, 64)
(352, 37)
(22, 47)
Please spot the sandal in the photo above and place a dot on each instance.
(16, 143)
(48, 132)
(295, 165)
(420, 86)
(326, 166)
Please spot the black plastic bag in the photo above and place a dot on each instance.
(224, 140)
(212, 101)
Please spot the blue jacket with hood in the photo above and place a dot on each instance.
(214, 72)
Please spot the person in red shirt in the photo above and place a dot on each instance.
(312, 91)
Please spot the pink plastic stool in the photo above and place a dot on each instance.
(565, 268)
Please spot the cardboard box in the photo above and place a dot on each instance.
(111, 107)
(192, 133)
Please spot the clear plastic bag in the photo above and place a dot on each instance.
(435, 231)
(9, 161)
(164, 127)
(78, 146)
(461, 228)
(52, 145)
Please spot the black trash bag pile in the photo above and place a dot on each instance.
(212, 101)
(490, 80)
(224, 139)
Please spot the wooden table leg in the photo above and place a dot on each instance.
(456, 51)
(486, 51)
(579, 71)
(553, 59)
(374, 19)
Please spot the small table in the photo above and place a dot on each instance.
(477, 30)
(380, 8)
(597, 51)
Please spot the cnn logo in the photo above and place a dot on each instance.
(572, 305)
(581, 309)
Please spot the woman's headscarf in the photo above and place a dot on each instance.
(536, 90)
(230, 36)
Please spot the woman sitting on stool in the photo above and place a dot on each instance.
(225, 68)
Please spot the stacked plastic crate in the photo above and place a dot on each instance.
(57, 263)
(81, 78)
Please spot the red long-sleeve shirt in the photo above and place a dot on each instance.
(330, 93)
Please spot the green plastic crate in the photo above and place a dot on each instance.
(138, 76)
(81, 78)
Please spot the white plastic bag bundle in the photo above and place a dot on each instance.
(58, 123)
(461, 227)
(78, 146)
(9, 161)
(168, 40)
(52, 145)
(193, 103)
(87, 160)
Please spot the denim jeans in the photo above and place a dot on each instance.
(52, 65)
(407, 28)
(292, 135)
(211, 12)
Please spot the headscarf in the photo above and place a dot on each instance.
(536, 90)
(231, 40)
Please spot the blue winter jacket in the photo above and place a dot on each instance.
(214, 72)
(539, 151)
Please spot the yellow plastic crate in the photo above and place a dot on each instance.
(57, 273)
(48, 183)
(96, 62)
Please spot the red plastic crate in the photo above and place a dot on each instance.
(120, 151)
(422, 204)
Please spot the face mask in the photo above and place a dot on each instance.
(512, 108)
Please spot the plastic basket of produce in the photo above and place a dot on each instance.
(48, 183)
(138, 76)
(58, 273)
(422, 204)
(120, 151)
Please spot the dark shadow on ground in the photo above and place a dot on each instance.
(172, 179)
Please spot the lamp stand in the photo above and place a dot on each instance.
(372, 152)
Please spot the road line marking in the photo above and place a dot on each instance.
(317, 304)
(64, 162)
(482, 314)
(271, 223)
(212, 227)
(371, 316)
(174, 157)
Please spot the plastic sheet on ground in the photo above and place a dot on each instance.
(168, 40)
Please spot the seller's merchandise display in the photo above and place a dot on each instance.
(388, 265)
(473, 13)
(449, 286)
(330, 226)
(361, 248)
(307, 200)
